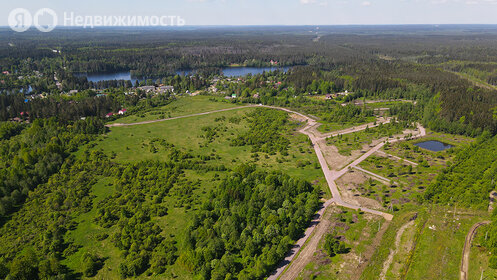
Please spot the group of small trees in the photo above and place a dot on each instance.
(248, 224)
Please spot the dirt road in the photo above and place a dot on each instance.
(467, 249)
(179, 117)
(393, 252)
(307, 252)
(315, 136)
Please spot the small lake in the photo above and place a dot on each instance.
(228, 72)
(242, 71)
(435, 146)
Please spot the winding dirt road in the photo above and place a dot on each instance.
(467, 249)
(294, 268)
(331, 176)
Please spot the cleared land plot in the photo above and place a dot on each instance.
(354, 141)
(438, 251)
(358, 232)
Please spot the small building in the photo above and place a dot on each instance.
(74, 91)
(233, 95)
(6, 73)
(109, 115)
(147, 89)
(256, 95)
(164, 89)
(122, 111)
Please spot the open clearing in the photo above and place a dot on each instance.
(205, 135)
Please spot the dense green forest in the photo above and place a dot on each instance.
(375, 64)
(247, 222)
(30, 156)
(469, 180)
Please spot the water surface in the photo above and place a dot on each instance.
(435, 146)
(228, 72)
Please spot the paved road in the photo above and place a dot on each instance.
(467, 249)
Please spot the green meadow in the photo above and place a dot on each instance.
(182, 106)
(205, 136)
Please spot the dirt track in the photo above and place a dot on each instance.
(316, 138)
(398, 238)
(175, 118)
(467, 249)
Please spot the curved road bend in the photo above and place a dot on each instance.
(330, 178)
(329, 175)
(467, 249)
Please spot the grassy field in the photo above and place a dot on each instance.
(86, 235)
(357, 231)
(435, 244)
(408, 179)
(375, 266)
(439, 249)
(354, 141)
(206, 135)
(384, 104)
(180, 107)
(478, 260)
(136, 143)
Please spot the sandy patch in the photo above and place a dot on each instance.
(349, 184)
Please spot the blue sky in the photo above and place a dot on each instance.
(277, 12)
